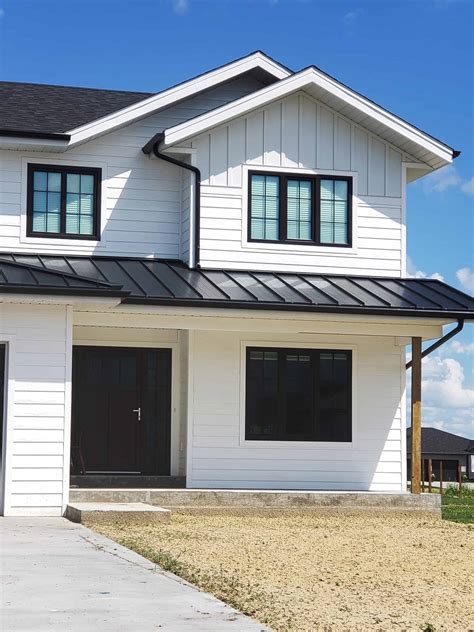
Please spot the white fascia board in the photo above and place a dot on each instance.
(33, 144)
(177, 93)
(300, 81)
(86, 303)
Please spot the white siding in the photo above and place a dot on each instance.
(220, 457)
(142, 199)
(38, 414)
(298, 132)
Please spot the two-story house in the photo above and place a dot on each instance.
(209, 283)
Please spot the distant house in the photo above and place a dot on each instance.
(449, 448)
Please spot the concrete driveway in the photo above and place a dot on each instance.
(60, 576)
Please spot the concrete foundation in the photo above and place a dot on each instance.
(262, 499)
(136, 513)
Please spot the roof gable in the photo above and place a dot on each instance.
(339, 98)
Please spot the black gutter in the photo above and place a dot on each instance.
(44, 135)
(63, 291)
(441, 341)
(153, 146)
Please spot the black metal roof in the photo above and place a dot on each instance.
(434, 441)
(22, 277)
(165, 282)
(44, 109)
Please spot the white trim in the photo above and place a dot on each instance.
(190, 411)
(320, 445)
(182, 91)
(175, 385)
(8, 423)
(403, 418)
(299, 81)
(403, 224)
(96, 244)
(67, 407)
(292, 248)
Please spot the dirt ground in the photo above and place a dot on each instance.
(330, 572)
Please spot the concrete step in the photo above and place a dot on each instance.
(262, 499)
(131, 513)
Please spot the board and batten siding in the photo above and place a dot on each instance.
(300, 133)
(38, 408)
(142, 199)
(219, 457)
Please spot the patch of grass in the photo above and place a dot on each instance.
(458, 508)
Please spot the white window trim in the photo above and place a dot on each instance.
(310, 445)
(58, 243)
(291, 248)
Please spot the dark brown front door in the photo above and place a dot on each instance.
(121, 410)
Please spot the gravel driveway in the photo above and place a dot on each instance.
(360, 571)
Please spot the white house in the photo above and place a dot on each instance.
(209, 283)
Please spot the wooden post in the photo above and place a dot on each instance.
(416, 416)
(430, 474)
(441, 477)
(460, 479)
(423, 475)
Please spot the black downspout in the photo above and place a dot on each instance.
(154, 146)
(441, 341)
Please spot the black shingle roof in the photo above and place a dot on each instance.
(434, 441)
(45, 109)
(163, 282)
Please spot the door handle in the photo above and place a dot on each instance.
(139, 412)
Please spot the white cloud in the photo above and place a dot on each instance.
(350, 16)
(413, 271)
(443, 384)
(447, 178)
(2, 13)
(466, 278)
(468, 187)
(459, 347)
(180, 6)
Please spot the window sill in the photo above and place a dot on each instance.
(295, 247)
(309, 445)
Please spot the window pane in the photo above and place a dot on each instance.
(334, 396)
(40, 181)
(53, 223)
(334, 212)
(299, 395)
(72, 224)
(73, 183)
(54, 202)
(299, 210)
(54, 182)
(39, 222)
(86, 225)
(87, 184)
(39, 202)
(261, 394)
(265, 207)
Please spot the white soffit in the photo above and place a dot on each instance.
(183, 90)
(336, 96)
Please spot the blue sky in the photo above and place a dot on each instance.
(413, 57)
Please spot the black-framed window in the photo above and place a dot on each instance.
(298, 394)
(287, 208)
(63, 202)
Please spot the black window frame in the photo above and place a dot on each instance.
(64, 170)
(315, 180)
(280, 434)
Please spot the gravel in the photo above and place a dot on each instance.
(321, 571)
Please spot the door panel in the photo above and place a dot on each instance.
(109, 384)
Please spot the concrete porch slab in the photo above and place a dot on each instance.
(264, 499)
(131, 512)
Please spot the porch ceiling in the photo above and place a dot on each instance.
(162, 282)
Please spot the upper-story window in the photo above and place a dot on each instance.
(63, 202)
(287, 208)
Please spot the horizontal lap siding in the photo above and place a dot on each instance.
(219, 459)
(142, 211)
(298, 132)
(36, 429)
